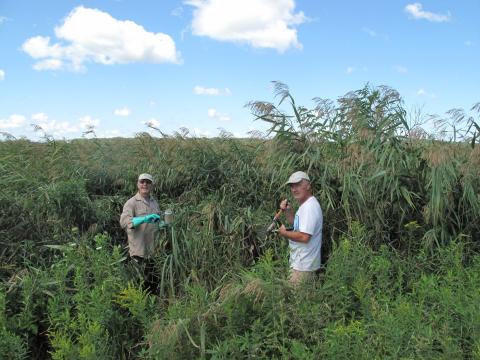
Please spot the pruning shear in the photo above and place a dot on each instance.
(275, 220)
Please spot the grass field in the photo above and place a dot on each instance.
(401, 264)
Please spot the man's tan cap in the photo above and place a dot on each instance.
(296, 177)
(145, 176)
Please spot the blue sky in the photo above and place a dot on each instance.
(118, 65)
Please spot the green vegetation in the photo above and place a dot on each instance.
(401, 240)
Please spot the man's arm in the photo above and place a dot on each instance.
(296, 236)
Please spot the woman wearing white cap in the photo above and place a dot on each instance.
(305, 240)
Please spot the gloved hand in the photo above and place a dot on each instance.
(145, 219)
(152, 218)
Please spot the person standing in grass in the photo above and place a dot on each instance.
(305, 240)
(139, 217)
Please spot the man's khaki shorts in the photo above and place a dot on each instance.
(297, 277)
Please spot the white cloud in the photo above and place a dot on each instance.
(423, 93)
(469, 43)
(415, 11)
(3, 19)
(152, 123)
(200, 90)
(401, 69)
(87, 122)
(48, 64)
(91, 35)
(213, 113)
(349, 69)
(58, 128)
(259, 23)
(39, 117)
(2, 74)
(61, 128)
(122, 112)
(13, 121)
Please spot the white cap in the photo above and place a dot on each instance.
(145, 177)
(296, 177)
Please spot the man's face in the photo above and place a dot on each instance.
(144, 187)
(301, 191)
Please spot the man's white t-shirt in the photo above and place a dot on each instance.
(309, 220)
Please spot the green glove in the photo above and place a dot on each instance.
(152, 218)
(145, 219)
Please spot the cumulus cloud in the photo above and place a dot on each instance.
(87, 122)
(13, 121)
(62, 128)
(39, 117)
(416, 11)
(152, 123)
(213, 113)
(259, 23)
(51, 126)
(122, 112)
(2, 74)
(48, 64)
(200, 90)
(91, 35)
(349, 69)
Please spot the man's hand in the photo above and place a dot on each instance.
(285, 205)
(282, 231)
(152, 218)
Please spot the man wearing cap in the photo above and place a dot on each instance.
(140, 213)
(305, 240)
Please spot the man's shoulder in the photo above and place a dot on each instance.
(133, 199)
(311, 202)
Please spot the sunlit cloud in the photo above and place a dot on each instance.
(124, 112)
(423, 93)
(2, 74)
(213, 113)
(416, 11)
(152, 123)
(39, 117)
(90, 35)
(13, 121)
(258, 23)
